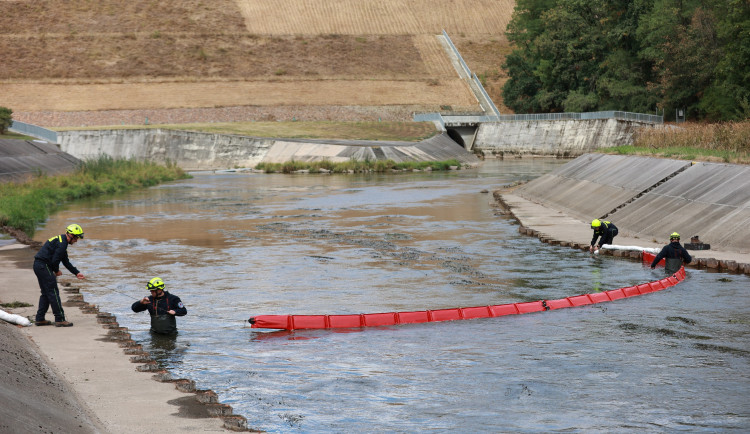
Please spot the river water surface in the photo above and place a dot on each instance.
(236, 245)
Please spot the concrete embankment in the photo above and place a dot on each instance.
(205, 151)
(568, 138)
(647, 198)
(22, 158)
(92, 377)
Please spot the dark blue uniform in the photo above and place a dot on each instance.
(673, 254)
(161, 321)
(46, 264)
(607, 231)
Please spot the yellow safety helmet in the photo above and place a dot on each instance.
(674, 236)
(155, 284)
(595, 223)
(75, 230)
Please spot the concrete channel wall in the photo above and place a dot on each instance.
(204, 151)
(566, 138)
(649, 198)
(20, 159)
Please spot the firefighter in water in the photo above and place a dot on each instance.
(604, 229)
(673, 254)
(162, 306)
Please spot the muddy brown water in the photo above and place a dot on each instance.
(235, 245)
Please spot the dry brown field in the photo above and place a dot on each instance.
(288, 58)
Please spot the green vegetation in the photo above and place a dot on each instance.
(24, 205)
(354, 166)
(384, 131)
(6, 119)
(727, 142)
(15, 136)
(14, 304)
(588, 55)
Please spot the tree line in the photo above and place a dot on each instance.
(630, 55)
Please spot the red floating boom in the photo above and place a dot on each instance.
(297, 322)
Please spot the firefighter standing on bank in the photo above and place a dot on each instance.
(47, 268)
(162, 306)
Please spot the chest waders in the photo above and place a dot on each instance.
(672, 265)
(165, 324)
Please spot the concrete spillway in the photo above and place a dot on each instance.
(204, 151)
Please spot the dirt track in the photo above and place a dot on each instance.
(54, 119)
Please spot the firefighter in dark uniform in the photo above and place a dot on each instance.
(162, 306)
(673, 254)
(604, 229)
(47, 268)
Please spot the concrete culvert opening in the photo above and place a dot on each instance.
(456, 136)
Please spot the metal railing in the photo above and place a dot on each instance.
(480, 94)
(627, 116)
(34, 131)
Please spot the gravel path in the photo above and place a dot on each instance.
(219, 114)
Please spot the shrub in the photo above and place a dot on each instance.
(6, 119)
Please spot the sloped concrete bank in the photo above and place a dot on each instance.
(205, 151)
(21, 158)
(562, 138)
(647, 198)
(91, 377)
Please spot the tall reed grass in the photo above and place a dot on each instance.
(356, 166)
(727, 142)
(24, 205)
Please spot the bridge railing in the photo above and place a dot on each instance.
(482, 96)
(628, 116)
(34, 131)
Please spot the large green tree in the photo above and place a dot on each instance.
(632, 55)
(728, 94)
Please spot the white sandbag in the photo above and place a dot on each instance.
(15, 319)
(637, 248)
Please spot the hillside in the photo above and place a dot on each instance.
(258, 60)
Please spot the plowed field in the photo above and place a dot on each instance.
(168, 55)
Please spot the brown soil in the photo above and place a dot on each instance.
(60, 56)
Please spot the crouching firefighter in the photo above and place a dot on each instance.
(162, 306)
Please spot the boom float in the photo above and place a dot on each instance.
(299, 322)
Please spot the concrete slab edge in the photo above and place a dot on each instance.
(723, 265)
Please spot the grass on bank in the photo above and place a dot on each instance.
(24, 205)
(15, 136)
(357, 166)
(362, 130)
(727, 142)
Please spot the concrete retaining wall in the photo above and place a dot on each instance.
(560, 138)
(650, 198)
(189, 150)
(204, 151)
